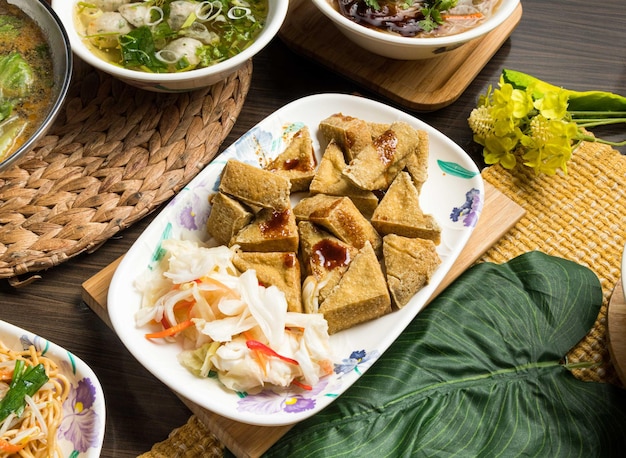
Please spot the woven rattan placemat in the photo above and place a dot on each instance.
(114, 154)
(578, 216)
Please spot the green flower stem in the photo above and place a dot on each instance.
(591, 122)
(604, 114)
(591, 138)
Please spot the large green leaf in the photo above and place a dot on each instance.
(480, 373)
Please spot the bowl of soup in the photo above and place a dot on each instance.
(170, 45)
(414, 30)
(35, 74)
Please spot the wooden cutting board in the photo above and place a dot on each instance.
(616, 323)
(498, 216)
(421, 85)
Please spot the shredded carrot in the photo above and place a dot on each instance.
(459, 17)
(8, 447)
(6, 375)
(169, 332)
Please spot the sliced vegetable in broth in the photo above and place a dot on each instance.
(162, 36)
(26, 78)
(417, 18)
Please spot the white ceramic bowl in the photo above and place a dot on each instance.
(173, 82)
(42, 14)
(409, 48)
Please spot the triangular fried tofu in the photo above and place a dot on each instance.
(376, 165)
(417, 164)
(361, 294)
(342, 219)
(271, 230)
(399, 212)
(275, 269)
(227, 217)
(351, 134)
(308, 205)
(330, 180)
(297, 162)
(409, 265)
(324, 256)
(254, 186)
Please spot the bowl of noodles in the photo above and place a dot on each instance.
(35, 75)
(415, 29)
(51, 402)
(170, 45)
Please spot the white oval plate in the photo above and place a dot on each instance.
(84, 415)
(453, 193)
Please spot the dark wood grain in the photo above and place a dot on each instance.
(561, 41)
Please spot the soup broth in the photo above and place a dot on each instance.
(395, 16)
(23, 46)
(166, 36)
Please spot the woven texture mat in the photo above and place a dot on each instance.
(114, 154)
(578, 216)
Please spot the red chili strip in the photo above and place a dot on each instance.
(260, 346)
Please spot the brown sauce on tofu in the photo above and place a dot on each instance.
(330, 254)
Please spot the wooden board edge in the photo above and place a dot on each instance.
(498, 216)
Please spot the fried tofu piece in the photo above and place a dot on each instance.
(308, 205)
(330, 180)
(351, 134)
(377, 164)
(254, 186)
(361, 294)
(399, 212)
(324, 256)
(271, 230)
(342, 219)
(275, 269)
(227, 217)
(297, 162)
(417, 163)
(409, 265)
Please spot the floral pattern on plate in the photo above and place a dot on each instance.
(453, 193)
(81, 431)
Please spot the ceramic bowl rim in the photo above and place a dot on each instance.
(277, 12)
(505, 9)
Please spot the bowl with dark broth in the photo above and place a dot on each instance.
(170, 45)
(415, 29)
(35, 74)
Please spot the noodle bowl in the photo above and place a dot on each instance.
(397, 17)
(395, 31)
(32, 432)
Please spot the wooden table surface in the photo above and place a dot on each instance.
(572, 43)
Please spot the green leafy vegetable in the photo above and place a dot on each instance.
(24, 382)
(16, 76)
(480, 372)
(10, 25)
(577, 100)
(432, 13)
(138, 51)
(10, 130)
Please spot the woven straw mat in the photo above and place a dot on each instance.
(577, 216)
(114, 154)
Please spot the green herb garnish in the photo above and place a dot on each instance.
(24, 382)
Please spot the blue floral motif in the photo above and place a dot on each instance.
(470, 210)
(79, 417)
(268, 401)
(358, 358)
